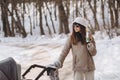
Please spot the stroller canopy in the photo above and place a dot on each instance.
(8, 69)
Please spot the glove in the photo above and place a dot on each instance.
(56, 64)
(90, 46)
(53, 74)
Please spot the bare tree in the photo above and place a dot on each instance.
(55, 10)
(50, 13)
(6, 26)
(103, 13)
(111, 13)
(40, 4)
(18, 22)
(76, 8)
(67, 6)
(115, 8)
(12, 24)
(94, 10)
(17, 15)
(47, 24)
(31, 28)
(63, 19)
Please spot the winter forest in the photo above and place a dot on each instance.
(35, 31)
(23, 17)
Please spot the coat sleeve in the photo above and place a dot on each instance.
(92, 48)
(65, 51)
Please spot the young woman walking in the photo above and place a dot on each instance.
(82, 51)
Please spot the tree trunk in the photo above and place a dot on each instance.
(23, 12)
(49, 31)
(118, 2)
(22, 29)
(55, 14)
(30, 25)
(67, 5)
(40, 18)
(111, 13)
(30, 20)
(12, 25)
(103, 14)
(84, 10)
(94, 10)
(6, 26)
(76, 8)
(18, 21)
(115, 8)
(34, 20)
(50, 17)
(95, 16)
(63, 18)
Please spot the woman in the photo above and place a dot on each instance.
(82, 52)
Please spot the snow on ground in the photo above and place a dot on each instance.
(44, 50)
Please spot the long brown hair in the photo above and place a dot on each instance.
(82, 38)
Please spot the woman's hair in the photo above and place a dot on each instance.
(79, 36)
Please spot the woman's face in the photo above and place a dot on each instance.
(76, 27)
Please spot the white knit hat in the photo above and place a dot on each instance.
(81, 21)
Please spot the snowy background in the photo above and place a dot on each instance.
(44, 50)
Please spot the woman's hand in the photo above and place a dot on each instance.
(90, 46)
(56, 65)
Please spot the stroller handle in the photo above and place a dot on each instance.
(48, 69)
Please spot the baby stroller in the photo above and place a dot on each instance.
(9, 70)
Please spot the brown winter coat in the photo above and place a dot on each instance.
(82, 57)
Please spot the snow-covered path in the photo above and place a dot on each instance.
(106, 61)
